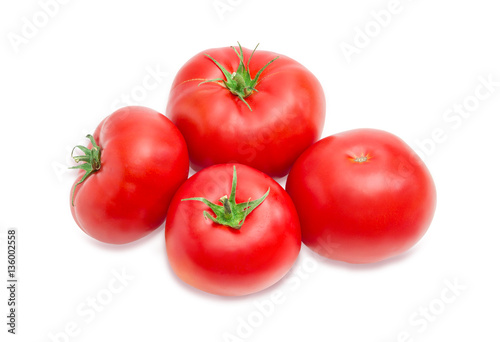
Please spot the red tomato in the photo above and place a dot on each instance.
(265, 122)
(362, 196)
(140, 162)
(235, 251)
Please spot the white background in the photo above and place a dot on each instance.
(77, 66)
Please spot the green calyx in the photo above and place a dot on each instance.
(240, 82)
(230, 213)
(91, 162)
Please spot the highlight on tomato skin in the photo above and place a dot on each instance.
(216, 246)
(257, 108)
(134, 163)
(362, 196)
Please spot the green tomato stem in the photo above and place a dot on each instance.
(240, 83)
(91, 162)
(230, 213)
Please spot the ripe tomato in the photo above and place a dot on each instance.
(362, 196)
(226, 116)
(242, 246)
(137, 162)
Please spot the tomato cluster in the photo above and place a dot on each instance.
(241, 117)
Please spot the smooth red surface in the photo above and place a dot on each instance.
(222, 260)
(361, 212)
(287, 116)
(144, 161)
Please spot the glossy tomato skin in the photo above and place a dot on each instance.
(287, 116)
(144, 160)
(361, 211)
(220, 259)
